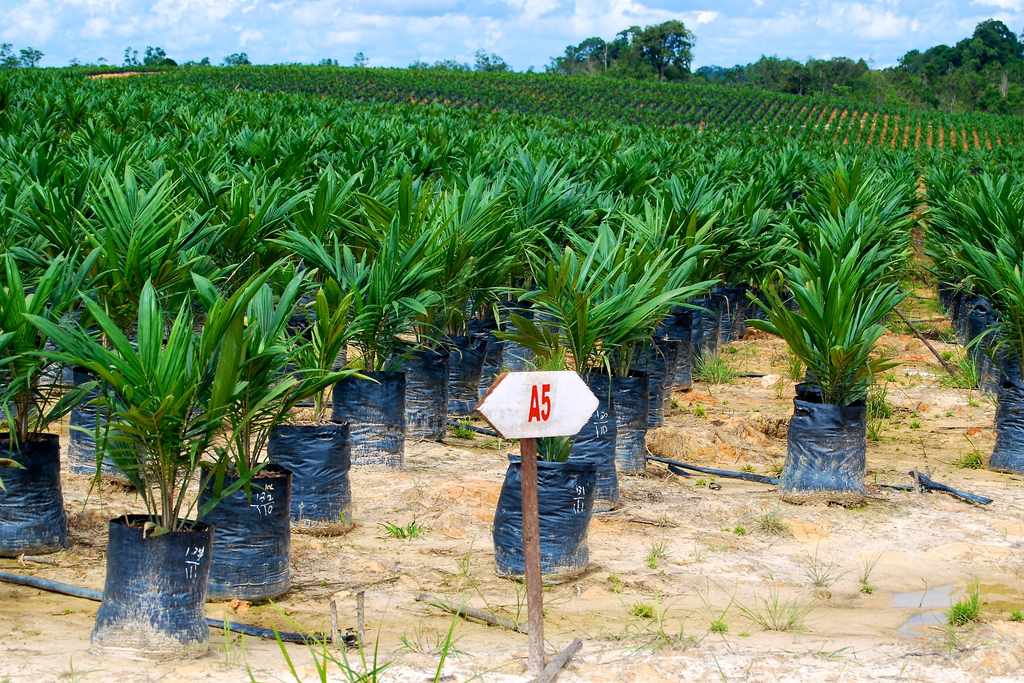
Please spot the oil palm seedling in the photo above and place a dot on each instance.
(843, 295)
(171, 395)
(260, 512)
(32, 518)
(390, 288)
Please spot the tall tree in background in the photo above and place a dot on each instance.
(664, 45)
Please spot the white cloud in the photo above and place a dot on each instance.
(249, 35)
(33, 23)
(1004, 4)
(864, 21)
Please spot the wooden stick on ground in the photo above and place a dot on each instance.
(334, 624)
(552, 669)
(467, 612)
(360, 616)
(926, 343)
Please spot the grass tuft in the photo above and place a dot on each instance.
(773, 613)
(967, 610)
(769, 523)
(713, 369)
(404, 533)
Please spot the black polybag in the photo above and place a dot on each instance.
(82, 455)
(707, 326)
(517, 358)
(595, 444)
(826, 451)
(980, 338)
(253, 541)
(426, 393)
(466, 367)
(32, 518)
(678, 326)
(565, 493)
(658, 362)
(319, 457)
(1008, 453)
(154, 594)
(495, 357)
(632, 404)
(375, 413)
(732, 303)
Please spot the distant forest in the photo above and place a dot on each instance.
(984, 72)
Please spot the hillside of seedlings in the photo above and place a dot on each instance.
(243, 337)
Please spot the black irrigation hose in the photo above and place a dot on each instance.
(478, 430)
(89, 594)
(927, 483)
(674, 465)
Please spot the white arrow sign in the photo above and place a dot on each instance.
(531, 405)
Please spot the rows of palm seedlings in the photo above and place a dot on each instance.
(976, 241)
(234, 298)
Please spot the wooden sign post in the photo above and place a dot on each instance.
(528, 406)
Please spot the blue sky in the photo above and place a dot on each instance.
(524, 32)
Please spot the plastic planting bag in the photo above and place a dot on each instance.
(826, 451)
(595, 444)
(32, 518)
(375, 413)
(253, 541)
(1008, 454)
(632, 404)
(565, 492)
(319, 457)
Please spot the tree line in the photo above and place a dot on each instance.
(984, 72)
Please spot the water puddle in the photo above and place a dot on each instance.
(917, 625)
(940, 596)
(996, 597)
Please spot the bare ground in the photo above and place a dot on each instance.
(705, 562)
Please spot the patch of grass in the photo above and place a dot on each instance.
(776, 467)
(965, 372)
(657, 552)
(822, 575)
(878, 403)
(748, 468)
(867, 566)
(1016, 615)
(796, 369)
(463, 432)
(769, 523)
(404, 533)
(673, 403)
(915, 424)
(700, 411)
(429, 644)
(718, 622)
(773, 613)
(642, 610)
(616, 582)
(700, 553)
(878, 410)
(714, 369)
(970, 461)
(968, 609)
(779, 387)
(740, 530)
(701, 483)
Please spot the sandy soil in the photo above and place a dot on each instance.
(691, 555)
